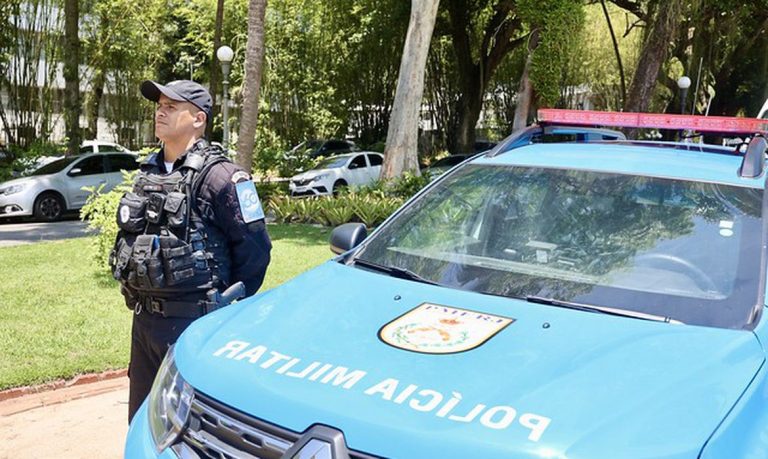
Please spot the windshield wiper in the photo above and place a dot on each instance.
(394, 271)
(600, 309)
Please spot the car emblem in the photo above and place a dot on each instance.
(435, 329)
(319, 442)
(315, 449)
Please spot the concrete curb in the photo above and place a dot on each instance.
(79, 380)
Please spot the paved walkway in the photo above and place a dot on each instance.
(28, 233)
(84, 421)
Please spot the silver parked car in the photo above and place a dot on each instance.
(58, 186)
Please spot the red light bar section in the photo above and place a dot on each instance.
(719, 124)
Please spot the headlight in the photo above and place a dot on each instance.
(317, 178)
(169, 403)
(13, 189)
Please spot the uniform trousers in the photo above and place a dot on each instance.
(151, 336)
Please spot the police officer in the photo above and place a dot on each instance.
(191, 227)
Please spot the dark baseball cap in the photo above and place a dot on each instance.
(179, 90)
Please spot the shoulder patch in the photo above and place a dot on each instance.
(240, 176)
(250, 205)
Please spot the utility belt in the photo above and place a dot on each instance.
(190, 309)
(168, 308)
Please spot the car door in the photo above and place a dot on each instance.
(374, 169)
(87, 172)
(356, 170)
(116, 164)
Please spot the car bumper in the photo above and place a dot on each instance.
(16, 205)
(314, 189)
(139, 443)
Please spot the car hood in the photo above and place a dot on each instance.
(19, 181)
(552, 383)
(309, 174)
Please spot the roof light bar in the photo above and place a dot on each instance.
(718, 124)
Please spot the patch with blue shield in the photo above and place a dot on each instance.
(250, 205)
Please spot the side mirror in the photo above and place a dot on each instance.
(352, 166)
(347, 236)
(74, 171)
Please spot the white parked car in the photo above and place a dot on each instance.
(99, 146)
(58, 186)
(336, 172)
(88, 146)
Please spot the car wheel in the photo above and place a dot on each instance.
(339, 186)
(49, 207)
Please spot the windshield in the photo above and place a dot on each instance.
(673, 248)
(56, 166)
(332, 162)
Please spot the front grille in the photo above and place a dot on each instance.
(305, 193)
(302, 182)
(218, 431)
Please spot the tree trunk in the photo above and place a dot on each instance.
(475, 69)
(525, 91)
(9, 137)
(72, 75)
(95, 102)
(215, 65)
(401, 151)
(254, 58)
(654, 52)
(470, 104)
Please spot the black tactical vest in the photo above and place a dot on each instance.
(164, 249)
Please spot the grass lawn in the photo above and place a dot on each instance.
(61, 317)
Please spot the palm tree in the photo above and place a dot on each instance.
(254, 57)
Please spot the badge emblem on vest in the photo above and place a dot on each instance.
(125, 214)
(435, 329)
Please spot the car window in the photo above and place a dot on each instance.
(358, 162)
(91, 165)
(375, 160)
(55, 166)
(86, 149)
(685, 250)
(122, 162)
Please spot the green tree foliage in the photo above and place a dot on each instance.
(729, 40)
(32, 49)
(331, 65)
(123, 44)
(559, 23)
(593, 61)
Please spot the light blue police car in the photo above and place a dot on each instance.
(572, 300)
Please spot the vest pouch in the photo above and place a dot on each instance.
(155, 205)
(182, 264)
(120, 257)
(175, 209)
(132, 213)
(145, 268)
